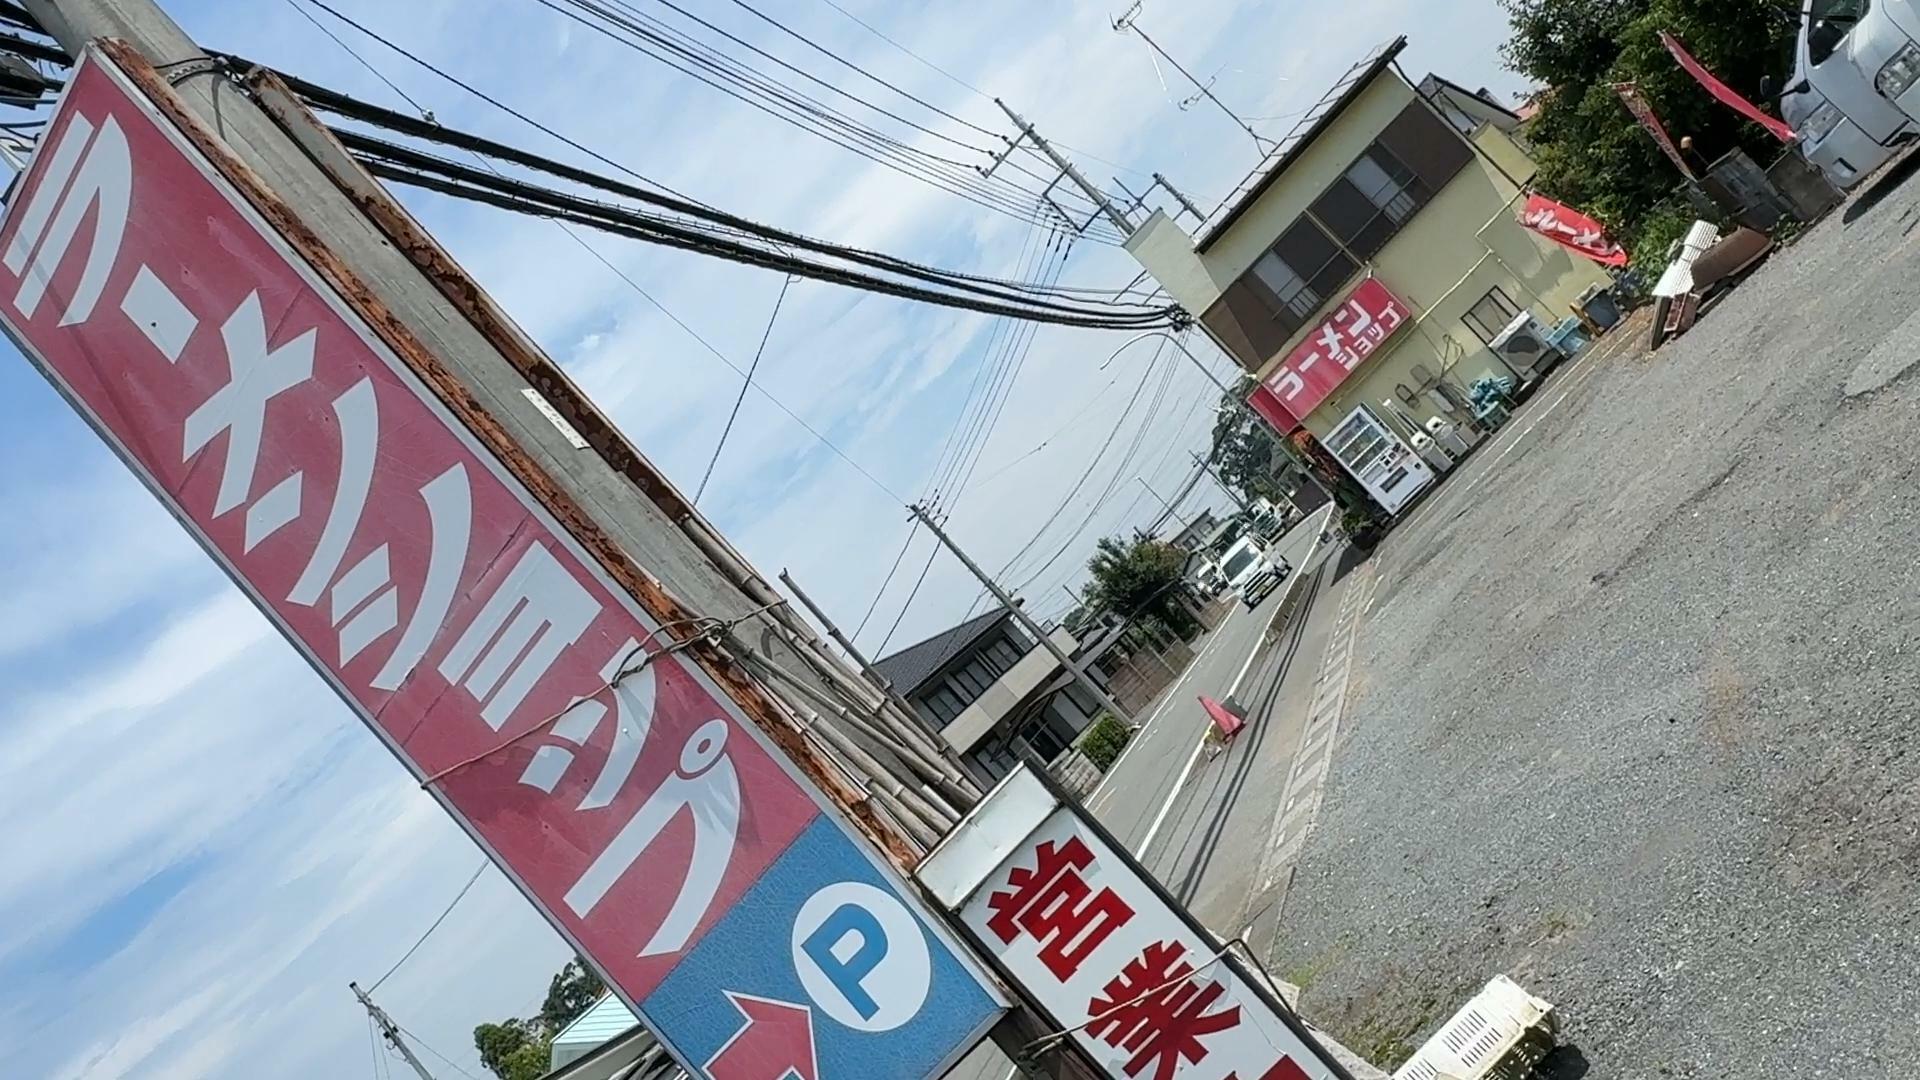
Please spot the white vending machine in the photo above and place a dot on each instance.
(1380, 460)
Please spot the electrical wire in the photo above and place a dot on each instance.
(436, 174)
(451, 904)
(967, 86)
(1119, 473)
(373, 1044)
(428, 1047)
(800, 110)
(1048, 441)
(624, 277)
(745, 382)
(345, 106)
(349, 50)
(990, 358)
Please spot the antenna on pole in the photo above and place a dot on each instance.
(389, 1030)
(1130, 20)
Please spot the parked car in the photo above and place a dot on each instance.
(1846, 127)
(1257, 588)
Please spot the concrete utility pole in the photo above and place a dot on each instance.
(1114, 214)
(1019, 613)
(1182, 199)
(1213, 473)
(389, 1030)
(1171, 512)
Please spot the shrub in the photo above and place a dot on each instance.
(1104, 741)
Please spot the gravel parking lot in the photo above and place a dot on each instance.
(1636, 721)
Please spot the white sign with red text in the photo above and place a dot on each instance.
(634, 802)
(1150, 998)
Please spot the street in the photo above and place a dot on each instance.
(1144, 794)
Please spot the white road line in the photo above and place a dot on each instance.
(1160, 818)
(1153, 830)
(1172, 695)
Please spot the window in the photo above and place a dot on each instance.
(1368, 203)
(966, 683)
(1004, 655)
(1304, 269)
(1427, 145)
(944, 705)
(1830, 21)
(1491, 315)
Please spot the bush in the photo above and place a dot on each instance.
(1104, 741)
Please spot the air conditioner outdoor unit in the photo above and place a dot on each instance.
(1500, 1035)
(1523, 346)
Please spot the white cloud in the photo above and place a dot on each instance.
(153, 725)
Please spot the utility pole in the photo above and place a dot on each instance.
(1114, 214)
(389, 1030)
(1220, 481)
(1182, 199)
(1171, 512)
(1099, 693)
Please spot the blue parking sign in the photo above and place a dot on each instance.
(823, 972)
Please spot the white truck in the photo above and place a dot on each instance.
(1847, 126)
(1251, 571)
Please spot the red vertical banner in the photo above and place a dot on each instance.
(1642, 110)
(1723, 93)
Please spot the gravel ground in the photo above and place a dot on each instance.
(1636, 723)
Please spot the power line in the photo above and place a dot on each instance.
(349, 50)
(343, 105)
(428, 1047)
(991, 358)
(967, 86)
(457, 897)
(792, 107)
(849, 65)
(746, 381)
(400, 165)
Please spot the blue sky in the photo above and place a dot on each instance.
(204, 846)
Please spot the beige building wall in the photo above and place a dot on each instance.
(1461, 245)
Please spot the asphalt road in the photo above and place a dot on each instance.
(1145, 786)
(1635, 716)
(1172, 728)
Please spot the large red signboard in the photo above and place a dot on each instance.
(629, 797)
(1329, 353)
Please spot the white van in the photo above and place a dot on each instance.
(1247, 557)
(1845, 126)
(1885, 43)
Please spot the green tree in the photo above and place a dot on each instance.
(572, 991)
(1144, 580)
(507, 1042)
(516, 1049)
(1591, 152)
(1243, 448)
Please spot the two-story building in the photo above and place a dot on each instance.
(991, 691)
(1363, 269)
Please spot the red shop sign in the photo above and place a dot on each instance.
(1329, 353)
